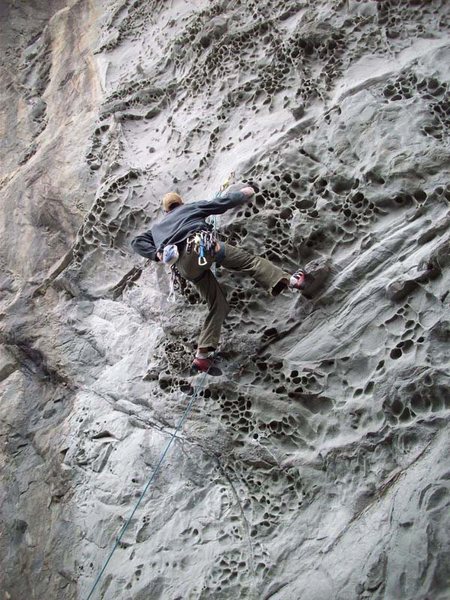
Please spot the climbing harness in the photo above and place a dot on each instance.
(149, 482)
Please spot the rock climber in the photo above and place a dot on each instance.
(185, 226)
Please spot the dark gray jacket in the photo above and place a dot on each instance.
(180, 222)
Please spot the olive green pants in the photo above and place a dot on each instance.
(234, 259)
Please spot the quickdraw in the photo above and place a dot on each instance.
(202, 243)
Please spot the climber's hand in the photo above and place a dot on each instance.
(159, 255)
(248, 191)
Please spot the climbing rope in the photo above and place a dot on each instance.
(149, 482)
(214, 219)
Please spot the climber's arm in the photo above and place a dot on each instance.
(145, 246)
(220, 205)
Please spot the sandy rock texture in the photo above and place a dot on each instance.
(317, 466)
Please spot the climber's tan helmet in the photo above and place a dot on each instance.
(171, 200)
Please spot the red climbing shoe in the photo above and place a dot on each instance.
(297, 280)
(205, 365)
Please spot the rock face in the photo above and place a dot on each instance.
(317, 466)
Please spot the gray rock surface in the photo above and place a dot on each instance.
(317, 466)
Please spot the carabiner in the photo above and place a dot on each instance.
(201, 255)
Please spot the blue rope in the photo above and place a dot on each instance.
(149, 482)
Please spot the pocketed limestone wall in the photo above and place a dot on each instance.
(317, 466)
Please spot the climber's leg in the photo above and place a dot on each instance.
(213, 294)
(266, 273)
